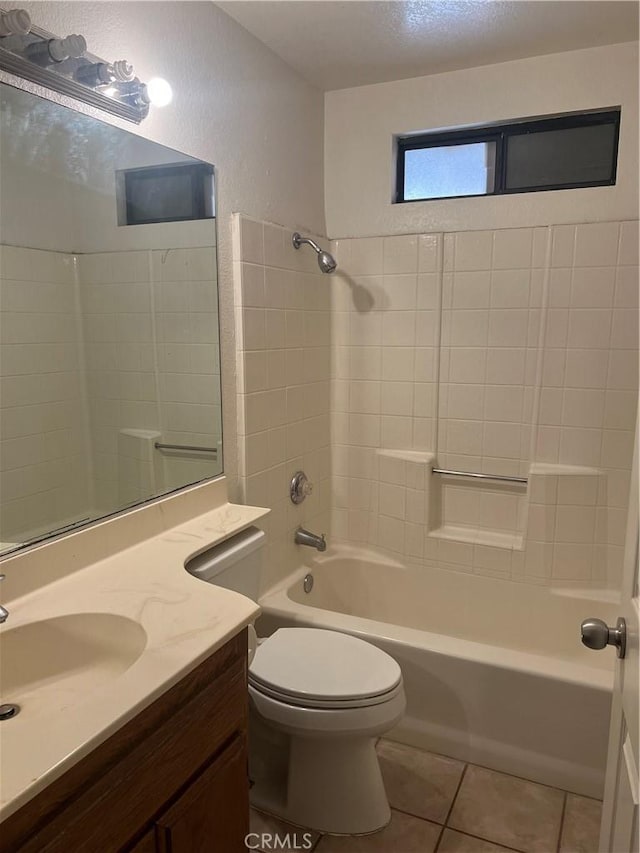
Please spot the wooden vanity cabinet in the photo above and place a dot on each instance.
(172, 780)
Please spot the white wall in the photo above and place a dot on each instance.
(360, 125)
(236, 105)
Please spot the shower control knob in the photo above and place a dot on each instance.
(596, 634)
(300, 487)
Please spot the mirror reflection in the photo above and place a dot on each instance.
(109, 342)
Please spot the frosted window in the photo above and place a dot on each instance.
(449, 170)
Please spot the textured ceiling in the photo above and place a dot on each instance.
(336, 44)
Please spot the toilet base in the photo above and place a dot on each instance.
(327, 784)
(336, 785)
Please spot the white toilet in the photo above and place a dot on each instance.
(319, 699)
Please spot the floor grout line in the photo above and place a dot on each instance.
(487, 840)
(453, 800)
(562, 816)
(416, 816)
(523, 778)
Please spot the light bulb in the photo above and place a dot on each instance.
(160, 92)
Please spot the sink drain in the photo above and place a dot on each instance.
(8, 711)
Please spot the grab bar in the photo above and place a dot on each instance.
(192, 448)
(475, 475)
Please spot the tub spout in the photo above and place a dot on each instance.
(305, 537)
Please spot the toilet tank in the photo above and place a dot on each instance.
(234, 564)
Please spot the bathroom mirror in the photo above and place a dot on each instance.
(109, 342)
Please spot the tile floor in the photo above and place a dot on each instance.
(441, 805)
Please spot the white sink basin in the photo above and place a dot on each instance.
(45, 664)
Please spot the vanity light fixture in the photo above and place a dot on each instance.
(65, 66)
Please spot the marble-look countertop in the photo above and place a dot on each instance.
(176, 622)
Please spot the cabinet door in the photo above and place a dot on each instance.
(147, 843)
(212, 816)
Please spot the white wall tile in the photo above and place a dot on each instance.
(586, 368)
(471, 290)
(582, 408)
(366, 256)
(629, 243)
(251, 241)
(563, 245)
(473, 250)
(624, 329)
(399, 292)
(592, 287)
(627, 287)
(400, 254)
(512, 248)
(510, 288)
(589, 328)
(597, 244)
(398, 328)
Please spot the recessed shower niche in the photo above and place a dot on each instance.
(110, 363)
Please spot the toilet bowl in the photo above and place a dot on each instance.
(328, 696)
(318, 701)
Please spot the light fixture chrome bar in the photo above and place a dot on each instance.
(477, 476)
(192, 448)
(15, 62)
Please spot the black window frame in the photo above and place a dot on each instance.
(197, 172)
(500, 134)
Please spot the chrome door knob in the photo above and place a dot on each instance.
(596, 634)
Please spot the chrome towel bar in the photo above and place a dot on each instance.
(192, 448)
(476, 476)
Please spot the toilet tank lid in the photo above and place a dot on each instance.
(320, 664)
(225, 554)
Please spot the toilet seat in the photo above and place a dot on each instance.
(318, 668)
(327, 704)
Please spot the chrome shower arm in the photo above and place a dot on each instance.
(298, 240)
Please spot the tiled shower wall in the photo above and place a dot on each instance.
(283, 368)
(43, 446)
(153, 367)
(521, 345)
(101, 352)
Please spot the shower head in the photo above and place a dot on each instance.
(326, 261)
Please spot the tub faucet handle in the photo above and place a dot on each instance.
(300, 487)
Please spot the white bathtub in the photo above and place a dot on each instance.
(494, 671)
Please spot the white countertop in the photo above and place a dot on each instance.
(184, 620)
